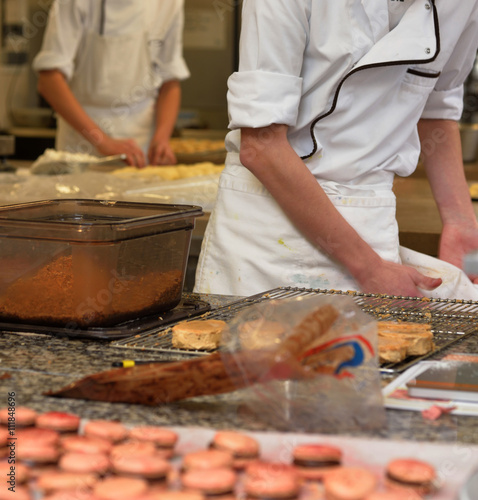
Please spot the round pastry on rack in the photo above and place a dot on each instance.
(198, 334)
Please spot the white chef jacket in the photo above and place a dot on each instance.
(115, 55)
(351, 91)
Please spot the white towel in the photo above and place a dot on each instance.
(455, 285)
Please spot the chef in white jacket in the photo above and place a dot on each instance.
(329, 103)
(111, 69)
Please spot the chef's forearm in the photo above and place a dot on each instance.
(55, 89)
(268, 155)
(442, 160)
(167, 109)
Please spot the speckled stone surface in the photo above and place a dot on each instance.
(32, 364)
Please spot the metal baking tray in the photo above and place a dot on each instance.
(451, 320)
(186, 309)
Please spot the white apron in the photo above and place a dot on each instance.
(278, 255)
(250, 246)
(121, 101)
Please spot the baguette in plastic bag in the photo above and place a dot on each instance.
(340, 389)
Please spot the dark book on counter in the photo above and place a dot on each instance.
(450, 380)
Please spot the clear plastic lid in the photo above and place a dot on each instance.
(93, 220)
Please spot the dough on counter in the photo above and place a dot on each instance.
(191, 145)
(169, 172)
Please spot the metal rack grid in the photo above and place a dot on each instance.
(451, 320)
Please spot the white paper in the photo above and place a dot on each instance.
(416, 404)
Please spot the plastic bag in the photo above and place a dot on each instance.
(329, 384)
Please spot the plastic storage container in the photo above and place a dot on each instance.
(84, 263)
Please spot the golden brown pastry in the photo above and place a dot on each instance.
(198, 334)
(417, 337)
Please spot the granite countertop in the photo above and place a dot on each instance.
(31, 364)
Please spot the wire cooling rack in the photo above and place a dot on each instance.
(451, 320)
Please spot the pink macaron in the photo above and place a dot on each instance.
(21, 415)
(58, 421)
(349, 483)
(173, 495)
(163, 438)
(19, 493)
(217, 481)
(19, 470)
(207, 459)
(85, 444)
(410, 474)
(391, 495)
(271, 480)
(36, 435)
(97, 463)
(133, 448)
(107, 429)
(55, 480)
(244, 448)
(152, 467)
(314, 460)
(36, 445)
(4, 436)
(120, 488)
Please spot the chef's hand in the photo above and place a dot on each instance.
(160, 153)
(134, 154)
(390, 278)
(456, 241)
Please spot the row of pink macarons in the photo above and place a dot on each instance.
(108, 460)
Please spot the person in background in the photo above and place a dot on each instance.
(111, 69)
(329, 103)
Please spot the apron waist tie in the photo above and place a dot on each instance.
(375, 184)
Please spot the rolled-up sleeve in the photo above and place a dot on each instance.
(267, 88)
(259, 98)
(445, 104)
(62, 37)
(170, 62)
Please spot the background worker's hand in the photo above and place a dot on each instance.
(456, 241)
(129, 147)
(390, 278)
(160, 153)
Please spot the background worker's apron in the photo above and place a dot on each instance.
(114, 84)
(279, 255)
